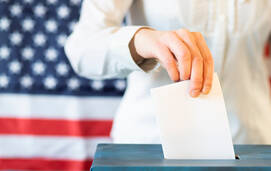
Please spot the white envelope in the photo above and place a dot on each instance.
(192, 128)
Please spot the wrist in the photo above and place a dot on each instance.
(138, 46)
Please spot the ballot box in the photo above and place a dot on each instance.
(148, 157)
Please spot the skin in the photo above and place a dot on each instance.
(184, 54)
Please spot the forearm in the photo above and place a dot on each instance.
(101, 54)
(99, 46)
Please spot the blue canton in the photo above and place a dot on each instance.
(32, 58)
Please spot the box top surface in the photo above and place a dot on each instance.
(151, 155)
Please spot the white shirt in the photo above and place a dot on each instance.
(235, 31)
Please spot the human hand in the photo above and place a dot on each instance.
(184, 54)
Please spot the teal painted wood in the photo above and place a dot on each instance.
(149, 157)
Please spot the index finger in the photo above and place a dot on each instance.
(197, 62)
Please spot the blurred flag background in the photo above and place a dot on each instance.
(50, 118)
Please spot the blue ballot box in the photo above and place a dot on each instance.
(148, 157)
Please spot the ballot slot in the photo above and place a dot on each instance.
(237, 157)
(193, 128)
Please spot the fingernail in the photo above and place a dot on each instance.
(194, 93)
(185, 77)
(205, 90)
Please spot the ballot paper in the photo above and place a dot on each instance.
(192, 128)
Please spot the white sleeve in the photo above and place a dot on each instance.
(98, 48)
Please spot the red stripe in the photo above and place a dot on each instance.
(43, 164)
(267, 50)
(55, 127)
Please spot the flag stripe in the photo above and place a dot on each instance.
(43, 164)
(268, 63)
(80, 128)
(266, 50)
(58, 107)
(70, 148)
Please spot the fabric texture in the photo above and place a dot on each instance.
(50, 118)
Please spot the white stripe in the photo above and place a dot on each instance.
(57, 107)
(49, 147)
(268, 63)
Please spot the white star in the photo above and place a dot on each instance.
(26, 81)
(4, 23)
(62, 69)
(15, 67)
(75, 2)
(38, 68)
(97, 84)
(4, 52)
(28, 1)
(4, 80)
(51, 25)
(28, 24)
(39, 39)
(63, 11)
(16, 10)
(73, 83)
(50, 82)
(28, 53)
(61, 39)
(120, 84)
(40, 10)
(72, 25)
(16, 38)
(51, 54)
(51, 1)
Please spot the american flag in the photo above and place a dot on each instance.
(50, 118)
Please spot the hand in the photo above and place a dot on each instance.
(184, 54)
